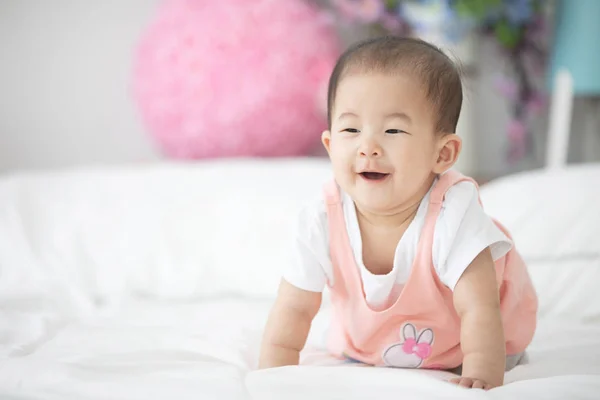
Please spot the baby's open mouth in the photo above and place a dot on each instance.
(374, 176)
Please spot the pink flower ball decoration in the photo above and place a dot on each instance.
(235, 78)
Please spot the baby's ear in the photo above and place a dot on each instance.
(449, 146)
(326, 140)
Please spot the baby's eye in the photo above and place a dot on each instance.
(350, 130)
(394, 131)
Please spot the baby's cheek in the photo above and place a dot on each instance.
(342, 173)
(342, 164)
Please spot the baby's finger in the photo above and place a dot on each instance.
(457, 381)
(478, 384)
(466, 382)
(462, 382)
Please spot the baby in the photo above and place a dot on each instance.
(419, 275)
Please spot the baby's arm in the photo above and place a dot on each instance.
(476, 300)
(288, 325)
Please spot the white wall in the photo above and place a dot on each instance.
(64, 76)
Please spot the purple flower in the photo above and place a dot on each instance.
(536, 103)
(365, 11)
(506, 88)
(516, 131)
(517, 139)
(391, 23)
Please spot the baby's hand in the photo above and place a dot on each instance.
(471, 383)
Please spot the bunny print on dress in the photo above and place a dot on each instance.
(412, 351)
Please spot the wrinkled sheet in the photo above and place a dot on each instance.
(147, 349)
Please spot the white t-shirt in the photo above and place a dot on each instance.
(462, 231)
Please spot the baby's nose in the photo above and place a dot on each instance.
(370, 148)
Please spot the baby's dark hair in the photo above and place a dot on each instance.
(438, 74)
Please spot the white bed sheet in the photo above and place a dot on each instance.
(208, 350)
(75, 246)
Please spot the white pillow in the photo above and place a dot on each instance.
(554, 217)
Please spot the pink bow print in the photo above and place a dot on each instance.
(423, 350)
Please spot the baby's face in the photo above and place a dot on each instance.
(382, 142)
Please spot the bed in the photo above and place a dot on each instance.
(154, 282)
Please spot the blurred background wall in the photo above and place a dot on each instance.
(65, 91)
(64, 79)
